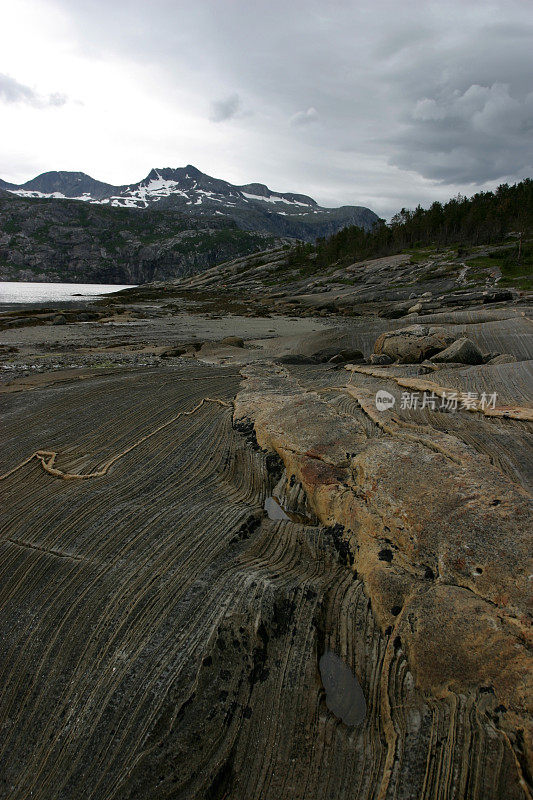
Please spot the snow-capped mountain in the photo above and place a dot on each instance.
(252, 206)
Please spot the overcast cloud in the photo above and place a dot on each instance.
(305, 117)
(351, 101)
(222, 110)
(11, 91)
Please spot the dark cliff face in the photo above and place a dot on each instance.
(54, 240)
(68, 226)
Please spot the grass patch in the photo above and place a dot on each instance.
(418, 255)
(514, 272)
(486, 262)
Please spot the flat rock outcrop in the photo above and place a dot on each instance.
(245, 569)
(446, 570)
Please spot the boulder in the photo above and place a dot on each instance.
(87, 316)
(413, 344)
(463, 298)
(59, 319)
(347, 355)
(502, 358)
(395, 310)
(462, 351)
(232, 341)
(497, 296)
(380, 360)
(20, 322)
(173, 352)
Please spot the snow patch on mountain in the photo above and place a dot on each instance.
(50, 195)
(273, 198)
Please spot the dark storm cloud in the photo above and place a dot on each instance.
(11, 91)
(474, 136)
(421, 99)
(467, 111)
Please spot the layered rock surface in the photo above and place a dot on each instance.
(440, 538)
(405, 285)
(164, 629)
(163, 636)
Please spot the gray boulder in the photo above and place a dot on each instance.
(413, 344)
(462, 351)
(233, 341)
(503, 358)
(173, 352)
(347, 355)
(497, 296)
(380, 360)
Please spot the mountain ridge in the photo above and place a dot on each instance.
(252, 206)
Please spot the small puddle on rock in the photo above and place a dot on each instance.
(344, 696)
(276, 512)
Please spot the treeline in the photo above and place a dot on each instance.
(485, 218)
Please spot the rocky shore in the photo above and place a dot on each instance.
(267, 535)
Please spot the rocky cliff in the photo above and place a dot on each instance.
(54, 240)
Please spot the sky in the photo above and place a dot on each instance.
(379, 103)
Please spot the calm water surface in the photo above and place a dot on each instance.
(27, 292)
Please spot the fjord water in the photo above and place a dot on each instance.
(16, 292)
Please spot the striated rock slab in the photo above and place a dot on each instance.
(163, 638)
(440, 538)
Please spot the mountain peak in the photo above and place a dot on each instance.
(65, 184)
